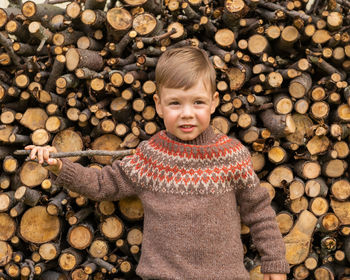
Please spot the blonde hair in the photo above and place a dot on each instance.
(182, 68)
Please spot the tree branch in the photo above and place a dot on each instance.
(7, 45)
(86, 153)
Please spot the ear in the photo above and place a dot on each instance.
(215, 102)
(159, 110)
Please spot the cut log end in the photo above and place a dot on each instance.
(225, 37)
(48, 251)
(112, 228)
(69, 260)
(257, 44)
(29, 9)
(80, 237)
(7, 227)
(131, 208)
(39, 227)
(98, 248)
(119, 19)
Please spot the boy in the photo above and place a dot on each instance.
(191, 181)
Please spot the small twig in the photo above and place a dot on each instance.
(314, 8)
(8, 48)
(344, 28)
(158, 38)
(87, 153)
(345, 3)
(31, 266)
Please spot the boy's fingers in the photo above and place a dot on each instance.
(52, 161)
(40, 156)
(51, 149)
(46, 154)
(29, 147)
(41, 153)
(33, 153)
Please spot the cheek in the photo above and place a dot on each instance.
(205, 118)
(169, 115)
(205, 114)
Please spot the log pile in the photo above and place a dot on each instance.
(83, 78)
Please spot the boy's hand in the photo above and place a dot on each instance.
(43, 155)
(274, 276)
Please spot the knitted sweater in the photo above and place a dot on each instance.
(195, 195)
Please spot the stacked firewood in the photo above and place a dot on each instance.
(82, 78)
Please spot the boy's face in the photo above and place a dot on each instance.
(186, 113)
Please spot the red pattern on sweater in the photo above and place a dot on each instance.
(164, 165)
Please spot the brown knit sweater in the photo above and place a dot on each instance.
(190, 193)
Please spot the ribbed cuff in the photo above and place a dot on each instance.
(277, 266)
(66, 175)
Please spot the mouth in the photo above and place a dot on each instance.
(187, 127)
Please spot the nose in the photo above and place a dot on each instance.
(187, 111)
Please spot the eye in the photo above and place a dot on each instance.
(199, 102)
(174, 103)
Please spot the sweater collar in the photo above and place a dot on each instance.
(205, 138)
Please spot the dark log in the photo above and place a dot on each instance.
(77, 58)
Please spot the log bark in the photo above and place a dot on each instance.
(78, 58)
(279, 125)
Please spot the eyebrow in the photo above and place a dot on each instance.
(201, 97)
(171, 99)
(195, 97)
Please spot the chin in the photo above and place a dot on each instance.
(187, 137)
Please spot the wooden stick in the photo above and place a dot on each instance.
(87, 153)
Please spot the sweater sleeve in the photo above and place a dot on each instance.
(256, 212)
(109, 183)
